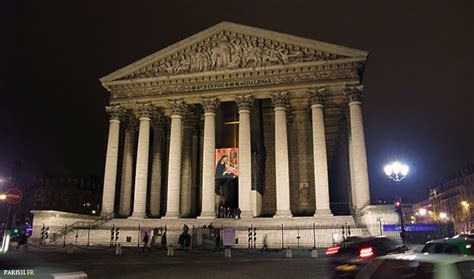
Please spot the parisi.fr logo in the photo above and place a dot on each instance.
(19, 272)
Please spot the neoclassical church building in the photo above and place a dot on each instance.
(237, 117)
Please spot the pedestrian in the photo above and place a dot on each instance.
(185, 239)
(264, 244)
(22, 240)
(238, 213)
(163, 240)
(221, 212)
(145, 242)
(153, 242)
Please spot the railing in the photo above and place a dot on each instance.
(81, 225)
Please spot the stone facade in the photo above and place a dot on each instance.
(303, 89)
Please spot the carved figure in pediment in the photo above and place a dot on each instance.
(270, 56)
(183, 65)
(237, 54)
(230, 51)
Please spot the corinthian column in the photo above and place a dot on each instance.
(155, 191)
(321, 180)
(116, 112)
(144, 113)
(357, 149)
(186, 164)
(127, 167)
(244, 105)
(209, 106)
(280, 104)
(178, 109)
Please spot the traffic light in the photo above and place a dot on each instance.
(112, 234)
(46, 233)
(398, 206)
(117, 231)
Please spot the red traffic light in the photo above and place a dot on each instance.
(397, 204)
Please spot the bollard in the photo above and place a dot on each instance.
(227, 253)
(70, 248)
(170, 251)
(118, 249)
(314, 253)
(289, 253)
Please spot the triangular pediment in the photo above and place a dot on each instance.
(230, 47)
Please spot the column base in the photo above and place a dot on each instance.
(283, 214)
(103, 214)
(137, 215)
(171, 215)
(323, 212)
(246, 214)
(207, 215)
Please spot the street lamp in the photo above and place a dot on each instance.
(396, 171)
(466, 206)
(443, 215)
(422, 212)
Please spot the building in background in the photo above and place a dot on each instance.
(452, 200)
(70, 194)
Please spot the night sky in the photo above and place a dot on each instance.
(419, 79)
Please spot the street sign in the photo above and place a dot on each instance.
(14, 196)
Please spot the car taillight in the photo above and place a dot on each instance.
(332, 250)
(366, 252)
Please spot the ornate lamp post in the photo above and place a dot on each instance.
(397, 172)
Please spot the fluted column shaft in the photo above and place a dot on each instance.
(244, 105)
(127, 169)
(358, 151)
(155, 191)
(116, 112)
(144, 113)
(321, 179)
(186, 165)
(174, 168)
(208, 168)
(280, 103)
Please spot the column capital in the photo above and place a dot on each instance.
(145, 110)
(159, 120)
(116, 112)
(132, 123)
(178, 107)
(210, 105)
(192, 118)
(317, 96)
(280, 100)
(354, 93)
(244, 102)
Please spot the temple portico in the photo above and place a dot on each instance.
(237, 117)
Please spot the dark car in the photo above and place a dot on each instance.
(454, 246)
(353, 253)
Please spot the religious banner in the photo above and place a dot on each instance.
(227, 163)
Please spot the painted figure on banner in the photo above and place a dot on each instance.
(227, 163)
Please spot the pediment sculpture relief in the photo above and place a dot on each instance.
(230, 51)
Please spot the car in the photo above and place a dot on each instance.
(353, 253)
(418, 265)
(455, 246)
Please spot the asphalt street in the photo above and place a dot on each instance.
(134, 263)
